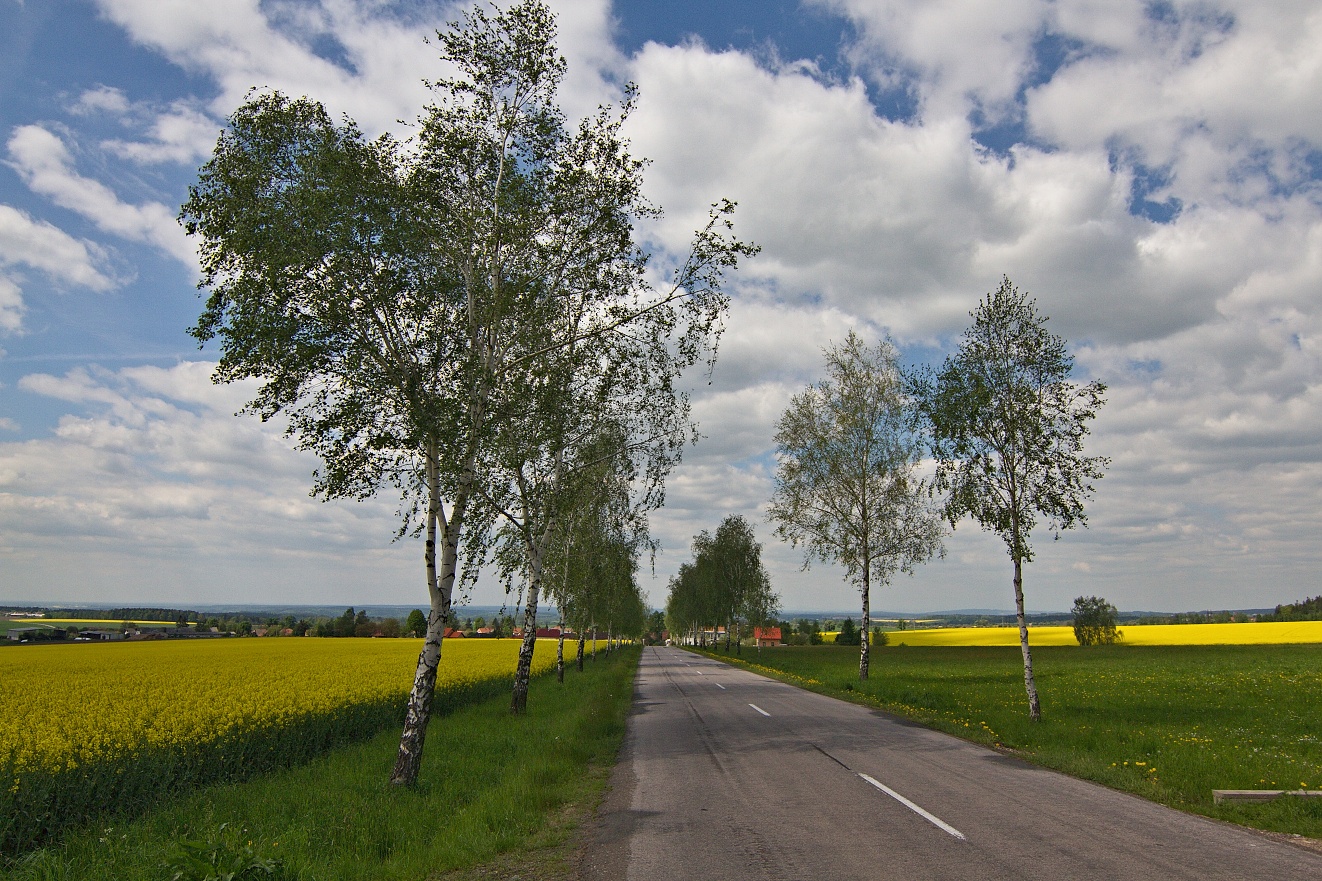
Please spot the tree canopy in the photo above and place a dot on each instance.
(725, 584)
(1006, 427)
(846, 487)
(1095, 621)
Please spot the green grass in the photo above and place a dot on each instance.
(1169, 723)
(495, 790)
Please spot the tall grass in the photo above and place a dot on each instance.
(491, 784)
(1169, 723)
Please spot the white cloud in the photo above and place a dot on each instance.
(959, 54)
(44, 163)
(101, 99)
(377, 80)
(35, 244)
(11, 306)
(154, 473)
(368, 63)
(1208, 327)
(182, 135)
(39, 245)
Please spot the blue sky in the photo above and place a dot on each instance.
(1151, 172)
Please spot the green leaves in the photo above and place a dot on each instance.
(1007, 426)
(725, 583)
(846, 488)
(222, 857)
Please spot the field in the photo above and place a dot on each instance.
(498, 797)
(1252, 633)
(7, 624)
(1167, 723)
(89, 725)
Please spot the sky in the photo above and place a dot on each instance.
(1151, 172)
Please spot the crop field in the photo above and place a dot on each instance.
(91, 725)
(7, 624)
(1170, 723)
(499, 796)
(1250, 633)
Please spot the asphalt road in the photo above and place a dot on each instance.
(729, 775)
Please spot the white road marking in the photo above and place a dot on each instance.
(718, 685)
(934, 820)
(759, 709)
(700, 673)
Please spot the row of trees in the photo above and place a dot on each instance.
(467, 317)
(725, 586)
(1000, 420)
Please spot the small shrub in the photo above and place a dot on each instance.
(1094, 622)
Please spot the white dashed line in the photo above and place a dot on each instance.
(934, 820)
(762, 711)
(718, 685)
(700, 673)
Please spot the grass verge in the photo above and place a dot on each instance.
(497, 793)
(1168, 723)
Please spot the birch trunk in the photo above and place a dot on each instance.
(579, 659)
(523, 672)
(1030, 685)
(440, 588)
(560, 655)
(864, 650)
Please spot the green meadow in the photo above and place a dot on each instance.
(1169, 723)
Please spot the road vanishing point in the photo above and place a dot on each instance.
(730, 775)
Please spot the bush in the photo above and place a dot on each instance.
(1094, 622)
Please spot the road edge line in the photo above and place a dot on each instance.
(931, 818)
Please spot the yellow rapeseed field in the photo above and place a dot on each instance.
(67, 706)
(1251, 633)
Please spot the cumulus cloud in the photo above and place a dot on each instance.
(1152, 179)
(25, 241)
(46, 166)
(361, 59)
(101, 99)
(35, 244)
(182, 135)
(11, 306)
(152, 465)
(1160, 203)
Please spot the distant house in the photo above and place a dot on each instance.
(452, 633)
(101, 635)
(548, 632)
(18, 634)
(767, 636)
(487, 632)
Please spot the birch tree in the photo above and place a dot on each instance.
(399, 302)
(1007, 429)
(846, 488)
(322, 286)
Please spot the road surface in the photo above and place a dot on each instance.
(729, 775)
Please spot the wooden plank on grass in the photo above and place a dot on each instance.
(1220, 795)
